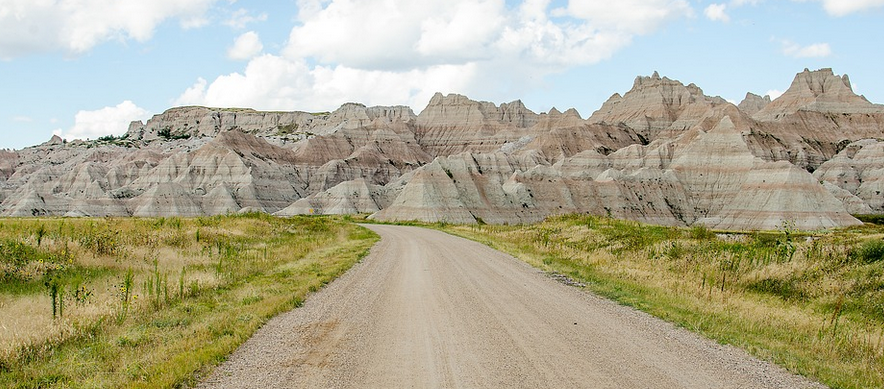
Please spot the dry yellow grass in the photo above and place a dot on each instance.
(813, 303)
(160, 301)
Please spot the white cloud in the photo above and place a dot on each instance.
(104, 121)
(245, 46)
(816, 50)
(278, 83)
(465, 30)
(403, 34)
(240, 18)
(774, 94)
(844, 7)
(717, 12)
(75, 26)
(399, 51)
(194, 95)
(630, 16)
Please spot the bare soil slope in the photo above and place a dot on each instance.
(426, 309)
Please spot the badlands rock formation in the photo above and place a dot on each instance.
(663, 153)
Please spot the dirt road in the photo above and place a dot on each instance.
(428, 310)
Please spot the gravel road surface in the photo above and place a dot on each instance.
(429, 310)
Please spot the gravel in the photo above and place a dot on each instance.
(426, 309)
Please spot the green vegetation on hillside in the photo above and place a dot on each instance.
(813, 303)
(126, 302)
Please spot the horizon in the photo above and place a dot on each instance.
(496, 103)
(88, 71)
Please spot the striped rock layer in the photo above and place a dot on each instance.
(662, 153)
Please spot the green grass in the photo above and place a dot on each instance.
(812, 303)
(209, 285)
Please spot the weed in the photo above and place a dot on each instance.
(870, 251)
(701, 232)
(56, 296)
(41, 232)
(181, 282)
(126, 293)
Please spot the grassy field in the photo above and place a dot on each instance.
(813, 303)
(109, 303)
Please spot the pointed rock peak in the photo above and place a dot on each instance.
(436, 99)
(449, 99)
(818, 91)
(753, 103)
(821, 81)
(725, 125)
(241, 142)
(54, 141)
(351, 110)
(752, 96)
(573, 112)
(232, 135)
(135, 130)
(655, 80)
(554, 112)
(439, 101)
(515, 105)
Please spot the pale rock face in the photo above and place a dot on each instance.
(818, 91)
(349, 197)
(713, 166)
(778, 195)
(655, 105)
(858, 170)
(165, 199)
(853, 204)
(8, 163)
(453, 124)
(431, 195)
(753, 103)
(207, 122)
(27, 202)
(219, 201)
(662, 153)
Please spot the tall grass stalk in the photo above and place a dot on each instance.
(265, 266)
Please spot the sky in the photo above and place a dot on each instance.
(83, 69)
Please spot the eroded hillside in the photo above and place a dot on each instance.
(663, 152)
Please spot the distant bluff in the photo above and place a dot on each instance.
(662, 152)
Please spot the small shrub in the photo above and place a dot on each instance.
(286, 129)
(785, 289)
(112, 139)
(103, 242)
(701, 232)
(871, 251)
(873, 219)
(167, 133)
(56, 296)
(675, 250)
(41, 232)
